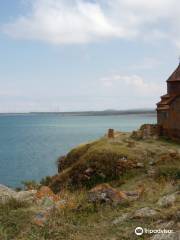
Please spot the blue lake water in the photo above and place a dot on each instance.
(30, 144)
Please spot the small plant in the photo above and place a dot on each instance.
(29, 185)
(46, 181)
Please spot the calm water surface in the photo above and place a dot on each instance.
(30, 144)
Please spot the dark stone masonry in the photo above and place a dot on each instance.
(168, 109)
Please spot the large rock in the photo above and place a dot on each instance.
(167, 200)
(45, 197)
(121, 219)
(26, 196)
(145, 213)
(7, 194)
(42, 216)
(105, 193)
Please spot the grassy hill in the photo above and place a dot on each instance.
(128, 165)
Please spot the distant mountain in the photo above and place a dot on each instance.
(101, 113)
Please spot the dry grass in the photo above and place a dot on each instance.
(82, 220)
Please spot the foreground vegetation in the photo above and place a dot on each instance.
(152, 164)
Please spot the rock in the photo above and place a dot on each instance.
(166, 236)
(41, 217)
(6, 194)
(88, 173)
(167, 201)
(152, 162)
(124, 164)
(105, 193)
(145, 213)
(166, 225)
(134, 195)
(140, 165)
(46, 192)
(46, 202)
(173, 153)
(24, 196)
(121, 219)
(61, 204)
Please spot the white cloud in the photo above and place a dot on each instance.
(134, 83)
(59, 22)
(82, 21)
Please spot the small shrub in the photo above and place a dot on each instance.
(46, 181)
(29, 185)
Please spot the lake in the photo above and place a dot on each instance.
(31, 143)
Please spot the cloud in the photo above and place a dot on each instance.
(134, 83)
(62, 21)
(83, 21)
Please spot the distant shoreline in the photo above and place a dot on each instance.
(88, 113)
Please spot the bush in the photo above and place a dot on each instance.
(29, 185)
(46, 181)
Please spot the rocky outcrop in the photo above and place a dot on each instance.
(7, 194)
(145, 212)
(104, 193)
(167, 200)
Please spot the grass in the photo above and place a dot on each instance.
(14, 216)
(81, 219)
(103, 155)
(86, 221)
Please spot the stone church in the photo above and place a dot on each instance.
(168, 109)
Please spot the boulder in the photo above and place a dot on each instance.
(105, 193)
(145, 212)
(167, 200)
(166, 225)
(125, 164)
(46, 192)
(135, 195)
(6, 194)
(26, 196)
(121, 219)
(42, 216)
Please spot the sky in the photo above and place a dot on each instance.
(79, 55)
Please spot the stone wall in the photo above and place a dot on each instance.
(147, 131)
